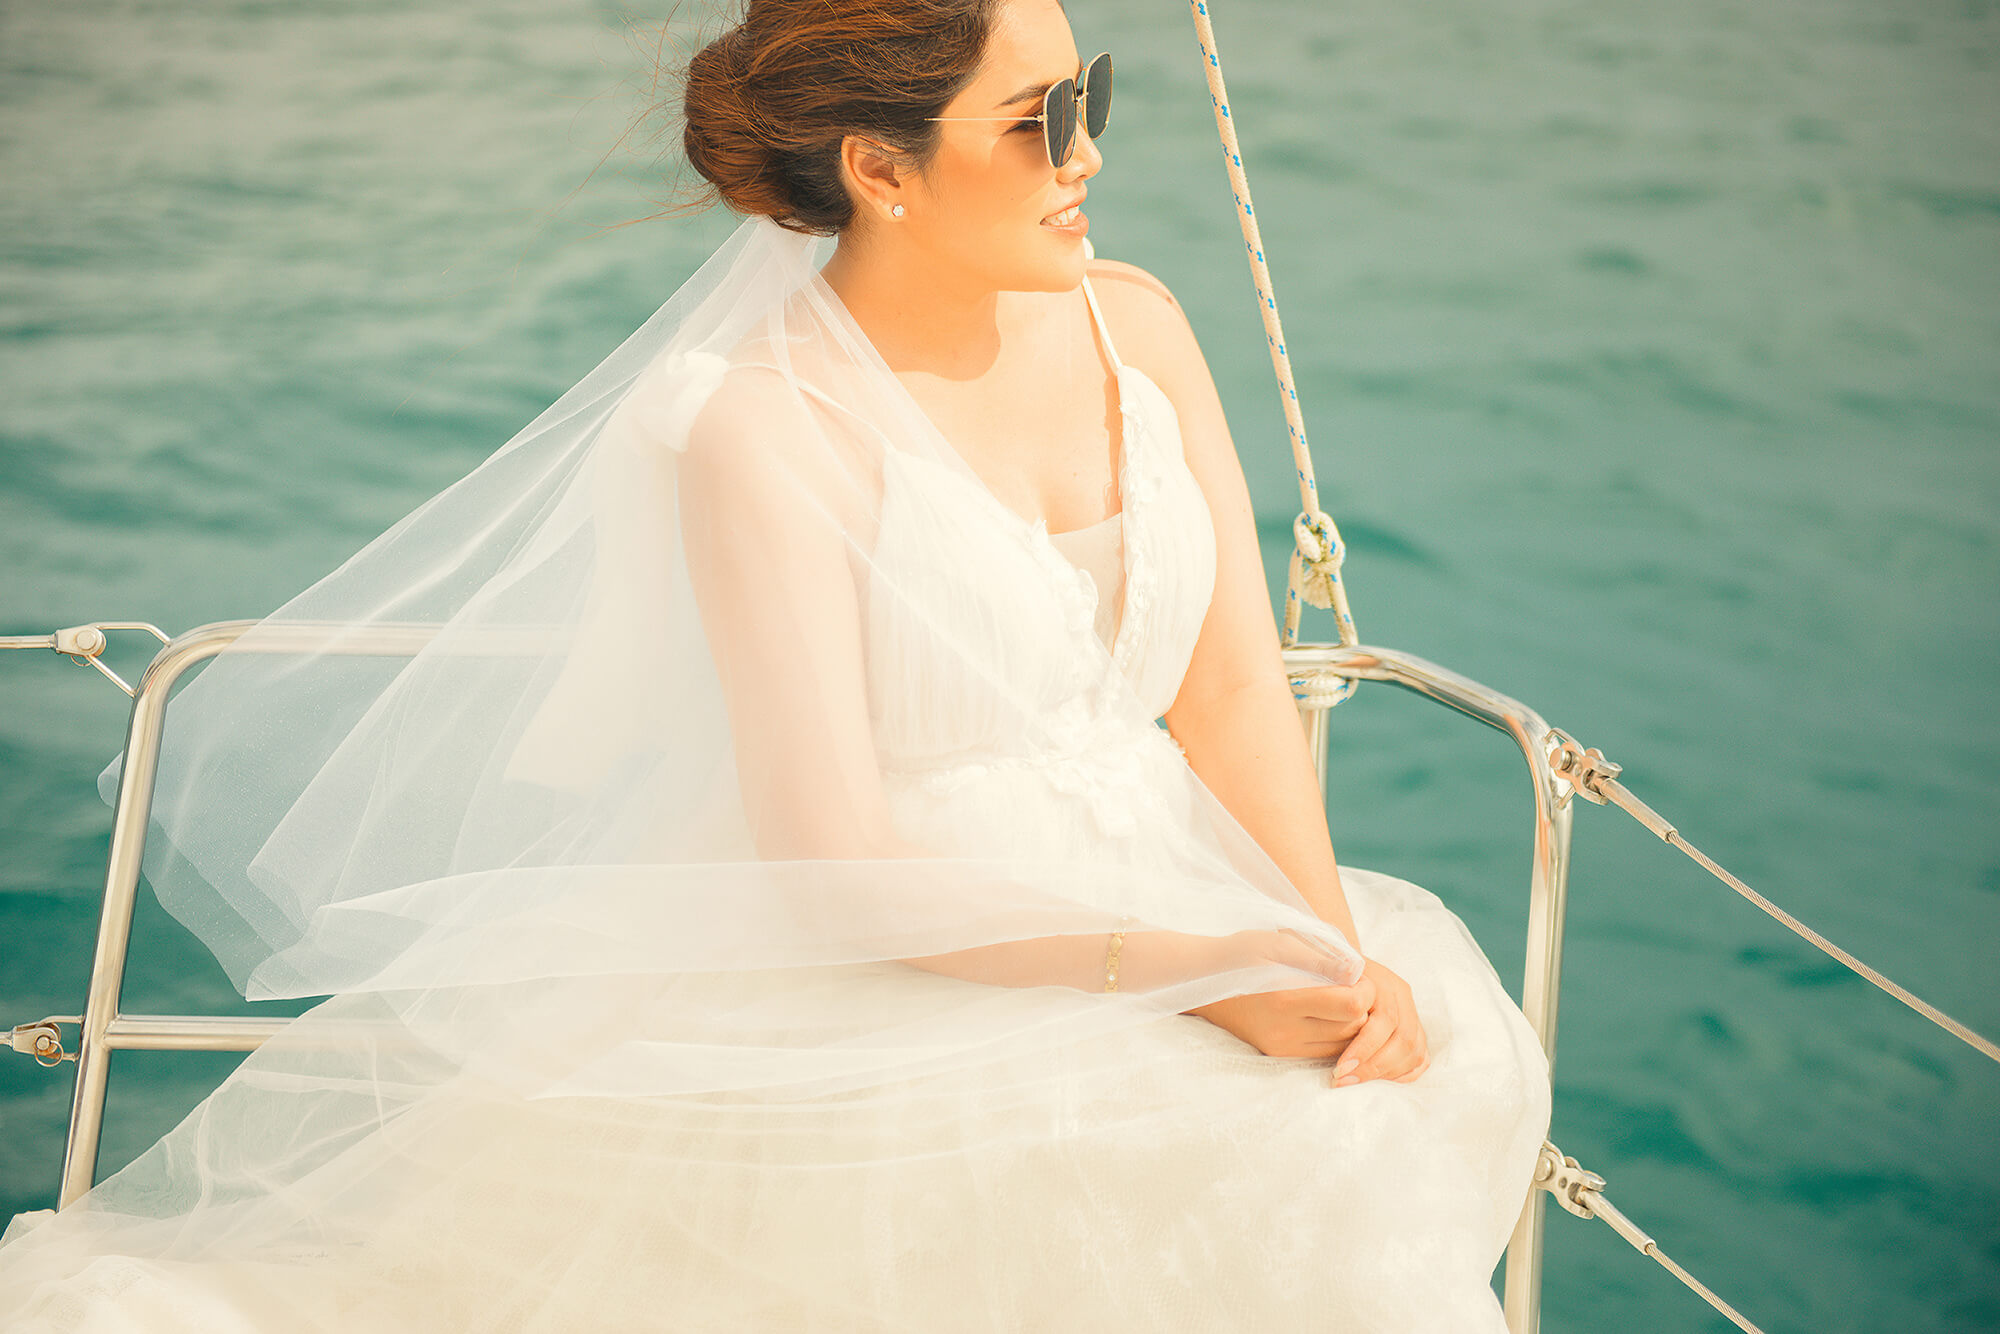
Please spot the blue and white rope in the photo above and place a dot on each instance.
(1317, 550)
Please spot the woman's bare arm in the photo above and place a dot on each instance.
(1236, 720)
(1234, 716)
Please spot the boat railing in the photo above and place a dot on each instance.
(1321, 675)
(103, 1027)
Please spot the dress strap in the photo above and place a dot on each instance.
(1097, 321)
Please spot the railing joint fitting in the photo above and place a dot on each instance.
(43, 1040)
(1583, 772)
(1571, 1184)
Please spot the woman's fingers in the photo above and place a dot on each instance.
(1378, 1030)
(1397, 1056)
(1413, 1075)
(1341, 1007)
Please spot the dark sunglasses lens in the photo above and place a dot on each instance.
(1097, 95)
(1060, 111)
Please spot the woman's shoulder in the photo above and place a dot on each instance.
(1150, 330)
(1138, 296)
(1145, 321)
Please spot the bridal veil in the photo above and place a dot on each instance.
(626, 829)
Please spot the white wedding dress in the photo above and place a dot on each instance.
(1163, 1176)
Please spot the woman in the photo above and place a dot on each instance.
(733, 833)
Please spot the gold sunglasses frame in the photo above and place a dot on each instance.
(1079, 85)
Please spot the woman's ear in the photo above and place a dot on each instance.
(872, 174)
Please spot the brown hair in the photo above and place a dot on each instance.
(765, 105)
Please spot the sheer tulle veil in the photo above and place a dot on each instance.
(554, 786)
(643, 824)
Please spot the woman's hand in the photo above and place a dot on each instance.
(1372, 1025)
(1313, 1022)
(1392, 1043)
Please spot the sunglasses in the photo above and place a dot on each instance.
(1086, 99)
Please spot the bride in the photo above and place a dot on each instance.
(733, 835)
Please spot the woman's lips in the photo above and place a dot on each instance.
(1078, 224)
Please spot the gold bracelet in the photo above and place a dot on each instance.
(1111, 960)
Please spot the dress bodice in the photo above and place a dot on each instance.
(974, 579)
(1099, 551)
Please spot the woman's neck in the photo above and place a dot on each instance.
(916, 315)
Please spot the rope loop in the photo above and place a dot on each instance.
(1320, 548)
(1316, 536)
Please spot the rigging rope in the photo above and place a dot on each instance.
(1317, 550)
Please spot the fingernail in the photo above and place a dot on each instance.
(1343, 1068)
(1344, 1081)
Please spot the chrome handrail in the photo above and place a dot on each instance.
(1313, 668)
(102, 1029)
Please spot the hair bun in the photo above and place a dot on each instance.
(767, 105)
(717, 109)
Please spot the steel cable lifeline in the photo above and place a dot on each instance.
(1596, 779)
(1317, 551)
(1582, 1193)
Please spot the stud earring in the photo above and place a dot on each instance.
(897, 211)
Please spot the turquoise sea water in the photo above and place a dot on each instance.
(1651, 356)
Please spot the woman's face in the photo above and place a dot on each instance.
(978, 208)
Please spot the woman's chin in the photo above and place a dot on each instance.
(1064, 269)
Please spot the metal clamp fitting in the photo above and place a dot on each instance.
(1561, 1177)
(41, 1040)
(1584, 771)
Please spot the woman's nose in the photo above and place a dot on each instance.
(1085, 161)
